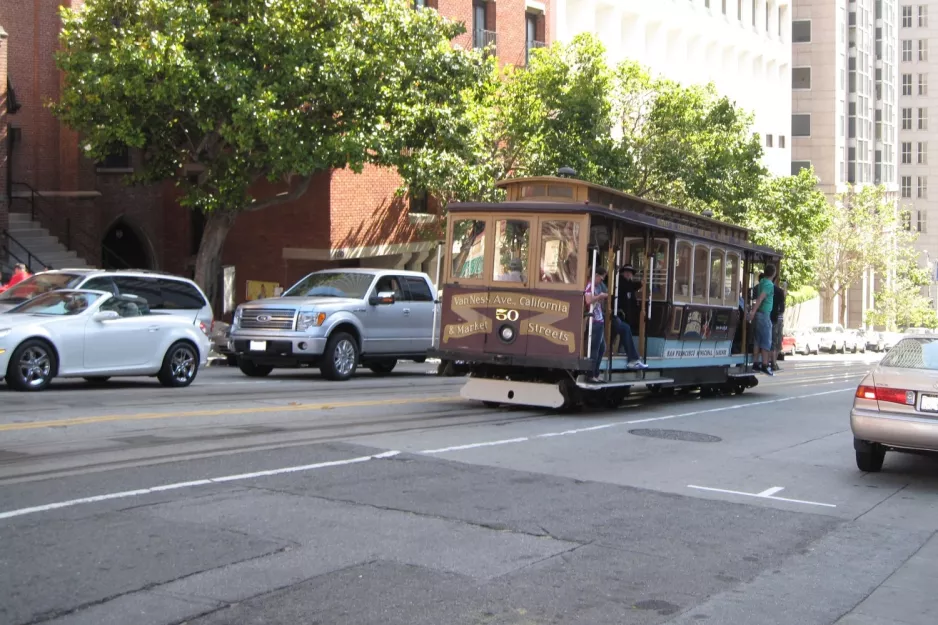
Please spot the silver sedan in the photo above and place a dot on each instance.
(896, 404)
(96, 335)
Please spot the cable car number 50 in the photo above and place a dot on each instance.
(505, 314)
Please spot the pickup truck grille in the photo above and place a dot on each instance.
(268, 319)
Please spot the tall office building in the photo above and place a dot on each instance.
(916, 133)
(743, 46)
(845, 110)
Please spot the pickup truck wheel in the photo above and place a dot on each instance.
(340, 358)
(382, 367)
(253, 370)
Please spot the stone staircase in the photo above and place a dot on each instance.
(32, 244)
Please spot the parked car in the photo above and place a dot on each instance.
(162, 291)
(800, 342)
(336, 320)
(896, 404)
(874, 340)
(854, 342)
(71, 333)
(890, 339)
(831, 337)
(220, 337)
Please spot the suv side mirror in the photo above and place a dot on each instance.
(383, 298)
(106, 315)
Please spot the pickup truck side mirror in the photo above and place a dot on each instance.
(383, 298)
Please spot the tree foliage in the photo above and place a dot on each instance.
(903, 302)
(221, 95)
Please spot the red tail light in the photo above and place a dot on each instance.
(891, 395)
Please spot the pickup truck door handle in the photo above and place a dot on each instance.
(153, 329)
(407, 311)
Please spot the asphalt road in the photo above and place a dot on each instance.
(390, 500)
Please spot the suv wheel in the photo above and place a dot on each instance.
(871, 461)
(252, 370)
(340, 358)
(382, 367)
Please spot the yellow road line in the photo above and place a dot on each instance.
(10, 427)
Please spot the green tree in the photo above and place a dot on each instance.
(790, 214)
(902, 303)
(222, 95)
(864, 234)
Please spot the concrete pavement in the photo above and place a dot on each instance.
(276, 501)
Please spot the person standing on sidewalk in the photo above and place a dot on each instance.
(19, 274)
(762, 324)
(777, 318)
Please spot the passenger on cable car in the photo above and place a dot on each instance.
(626, 315)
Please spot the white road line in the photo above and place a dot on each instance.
(762, 495)
(178, 485)
(768, 492)
(604, 426)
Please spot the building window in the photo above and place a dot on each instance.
(923, 16)
(907, 84)
(801, 31)
(906, 153)
(906, 186)
(906, 50)
(801, 78)
(420, 203)
(923, 84)
(768, 141)
(923, 153)
(922, 188)
(922, 217)
(482, 37)
(797, 166)
(801, 125)
(923, 49)
(119, 160)
(922, 118)
(907, 118)
(531, 38)
(781, 141)
(907, 16)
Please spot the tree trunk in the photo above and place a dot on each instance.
(208, 260)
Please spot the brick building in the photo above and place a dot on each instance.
(345, 219)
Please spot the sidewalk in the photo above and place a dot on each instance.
(908, 597)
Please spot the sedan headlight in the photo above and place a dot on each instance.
(308, 320)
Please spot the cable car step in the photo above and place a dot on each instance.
(628, 379)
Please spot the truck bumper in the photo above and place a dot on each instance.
(281, 351)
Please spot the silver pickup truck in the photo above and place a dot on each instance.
(337, 320)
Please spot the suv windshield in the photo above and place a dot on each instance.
(917, 353)
(39, 284)
(58, 303)
(333, 284)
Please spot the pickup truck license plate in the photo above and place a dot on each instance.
(929, 403)
(261, 346)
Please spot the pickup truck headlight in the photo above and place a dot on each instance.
(309, 320)
(236, 321)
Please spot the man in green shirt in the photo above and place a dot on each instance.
(762, 324)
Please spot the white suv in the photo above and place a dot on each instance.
(163, 292)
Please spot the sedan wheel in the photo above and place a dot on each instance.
(180, 365)
(871, 461)
(31, 366)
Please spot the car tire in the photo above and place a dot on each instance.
(180, 365)
(340, 359)
(871, 461)
(254, 370)
(232, 360)
(32, 366)
(382, 367)
(97, 379)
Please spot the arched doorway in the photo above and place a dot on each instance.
(123, 248)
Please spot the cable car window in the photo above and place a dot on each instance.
(533, 190)
(468, 253)
(716, 276)
(559, 254)
(701, 271)
(682, 270)
(560, 191)
(511, 250)
(731, 282)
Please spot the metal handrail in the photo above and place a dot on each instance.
(47, 219)
(484, 38)
(30, 257)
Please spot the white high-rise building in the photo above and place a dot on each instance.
(742, 46)
(918, 125)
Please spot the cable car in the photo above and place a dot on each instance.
(514, 315)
